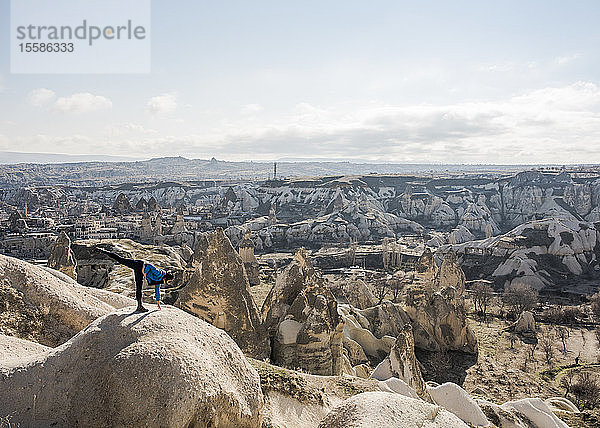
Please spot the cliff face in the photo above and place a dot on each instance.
(219, 292)
(301, 317)
(62, 257)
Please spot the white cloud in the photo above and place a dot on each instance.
(162, 104)
(250, 109)
(563, 60)
(82, 103)
(40, 97)
(548, 125)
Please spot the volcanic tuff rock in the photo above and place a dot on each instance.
(62, 258)
(375, 329)
(301, 317)
(388, 410)
(539, 252)
(159, 369)
(218, 292)
(122, 204)
(436, 309)
(451, 274)
(525, 323)
(355, 291)
(46, 305)
(402, 363)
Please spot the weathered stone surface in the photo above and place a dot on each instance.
(97, 270)
(47, 306)
(402, 363)
(122, 204)
(456, 400)
(436, 308)
(388, 410)
(301, 317)
(525, 324)
(218, 292)
(439, 321)
(354, 351)
(374, 329)
(451, 274)
(358, 294)
(62, 258)
(159, 369)
(426, 266)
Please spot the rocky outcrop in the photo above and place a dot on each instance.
(47, 306)
(355, 291)
(451, 274)
(523, 413)
(218, 292)
(160, 369)
(382, 409)
(300, 314)
(437, 312)
(539, 253)
(374, 329)
(525, 324)
(62, 258)
(246, 251)
(402, 363)
(456, 400)
(122, 204)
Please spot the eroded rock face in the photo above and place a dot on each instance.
(301, 317)
(47, 306)
(402, 363)
(62, 257)
(159, 369)
(451, 274)
(122, 204)
(437, 312)
(440, 322)
(218, 292)
(525, 323)
(382, 409)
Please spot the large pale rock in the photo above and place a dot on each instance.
(375, 329)
(159, 369)
(358, 294)
(439, 320)
(388, 410)
(536, 411)
(46, 305)
(301, 316)
(219, 292)
(402, 363)
(456, 400)
(426, 266)
(525, 323)
(451, 274)
(62, 258)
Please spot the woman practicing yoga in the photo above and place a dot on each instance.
(141, 270)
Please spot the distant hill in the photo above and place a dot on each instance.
(69, 170)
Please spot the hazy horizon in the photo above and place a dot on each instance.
(462, 83)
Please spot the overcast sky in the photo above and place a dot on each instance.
(395, 81)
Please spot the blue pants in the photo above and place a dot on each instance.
(157, 292)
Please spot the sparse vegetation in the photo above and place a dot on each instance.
(586, 390)
(482, 295)
(519, 298)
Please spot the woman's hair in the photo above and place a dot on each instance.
(168, 276)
